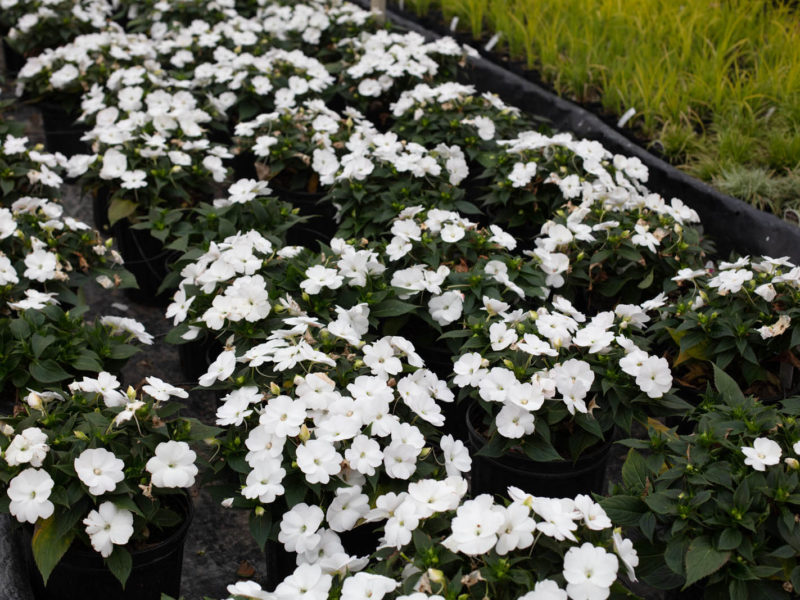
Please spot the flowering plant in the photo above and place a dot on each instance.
(88, 61)
(533, 174)
(453, 113)
(525, 549)
(28, 171)
(552, 383)
(741, 316)
(284, 144)
(718, 506)
(624, 248)
(377, 67)
(97, 466)
(34, 25)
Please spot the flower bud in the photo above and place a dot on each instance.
(260, 511)
(436, 576)
(6, 429)
(34, 400)
(274, 388)
(305, 434)
(792, 463)
(130, 393)
(228, 502)
(80, 435)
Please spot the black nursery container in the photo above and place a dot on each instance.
(81, 574)
(555, 479)
(145, 256)
(61, 132)
(280, 564)
(320, 225)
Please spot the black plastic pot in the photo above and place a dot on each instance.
(196, 356)
(61, 132)
(321, 223)
(14, 61)
(147, 259)
(732, 223)
(556, 479)
(81, 574)
(280, 564)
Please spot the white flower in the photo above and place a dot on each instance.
(456, 456)
(107, 526)
(173, 465)
(547, 589)
(161, 390)
(319, 460)
(764, 452)
(592, 513)
(446, 308)
(516, 532)
(308, 582)
(367, 586)
(30, 446)
(29, 493)
(41, 265)
(132, 326)
(364, 455)
(299, 527)
(222, 368)
(264, 481)
(589, 571)
(475, 527)
(99, 469)
(34, 300)
(626, 552)
(654, 377)
(318, 277)
(347, 508)
(501, 337)
(469, 370)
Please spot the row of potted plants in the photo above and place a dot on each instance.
(564, 310)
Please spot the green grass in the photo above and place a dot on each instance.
(715, 85)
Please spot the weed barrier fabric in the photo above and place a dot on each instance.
(731, 223)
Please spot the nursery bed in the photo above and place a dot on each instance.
(733, 224)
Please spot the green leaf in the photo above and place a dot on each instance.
(87, 361)
(727, 387)
(120, 209)
(39, 343)
(730, 539)
(259, 528)
(48, 371)
(20, 329)
(392, 308)
(737, 590)
(660, 503)
(647, 281)
(702, 560)
(624, 510)
(634, 471)
(123, 351)
(49, 545)
(120, 564)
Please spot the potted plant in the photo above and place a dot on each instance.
(527, 548)
(714, 512)
(47, 260)
(602, 251)
(548, 389)
(98, 475)
(28, 171)
(740, 316)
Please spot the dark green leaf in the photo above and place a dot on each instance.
(634, 471)
(120, 563)
(702, 559)
(48, 546)
(48, 371)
